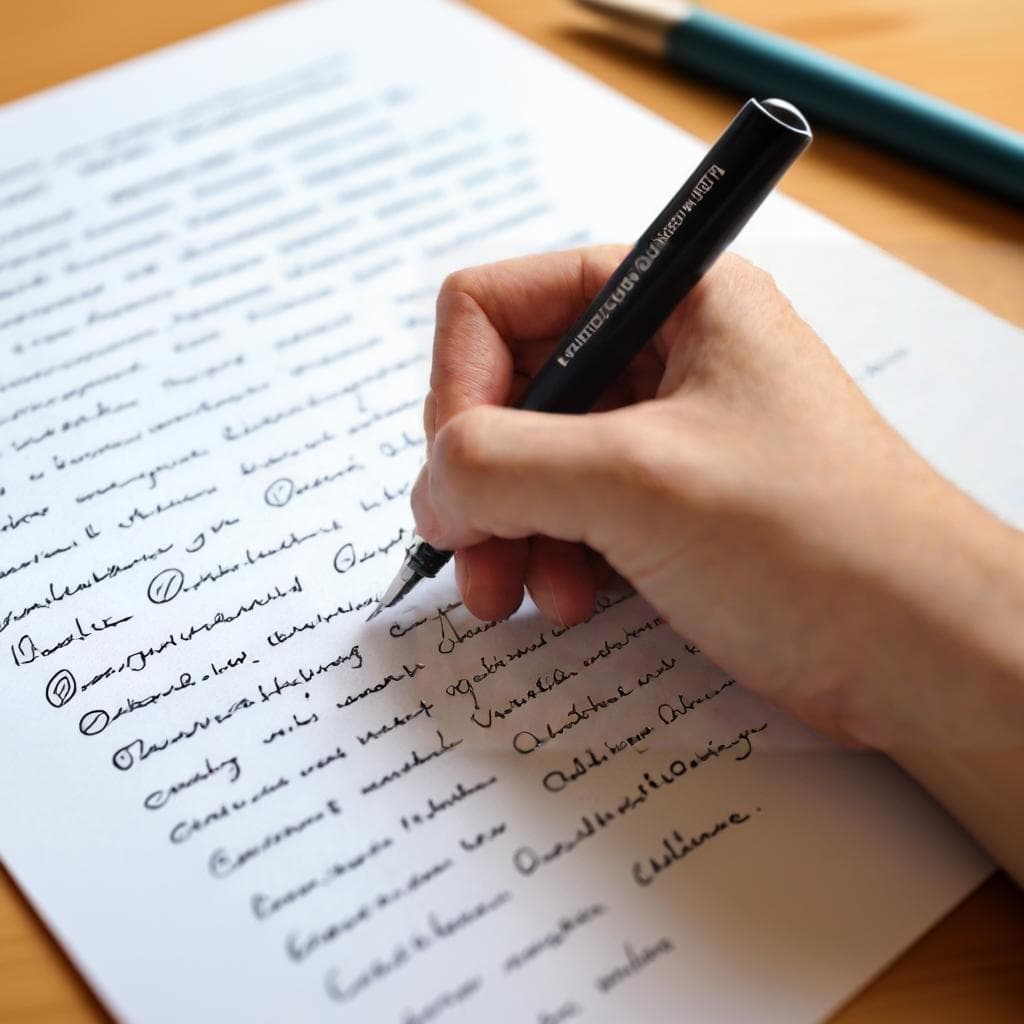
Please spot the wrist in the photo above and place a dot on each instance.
(946, 664)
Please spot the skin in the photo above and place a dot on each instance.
(742, 483)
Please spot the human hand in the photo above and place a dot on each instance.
(737, 477)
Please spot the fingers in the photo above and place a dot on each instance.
(487, 317)
(513, 475)
(559, 576)
(734, 311)
(560, 580)
(490, 577)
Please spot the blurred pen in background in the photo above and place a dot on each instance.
(830, 91)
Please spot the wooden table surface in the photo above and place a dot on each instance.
(971, 966)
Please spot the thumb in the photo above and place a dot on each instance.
(508, 473)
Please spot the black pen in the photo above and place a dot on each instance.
(689, 234)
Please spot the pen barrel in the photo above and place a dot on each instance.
(862, 103)
(686, 237)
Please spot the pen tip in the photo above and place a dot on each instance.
(376, 611)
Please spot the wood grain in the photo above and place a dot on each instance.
(971, 966)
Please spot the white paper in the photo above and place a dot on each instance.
(229, 796)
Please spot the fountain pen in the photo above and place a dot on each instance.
(675, 251)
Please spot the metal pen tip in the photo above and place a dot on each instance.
(406, 579)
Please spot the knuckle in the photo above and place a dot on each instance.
(759, 283)
(458, 284)
(655, 459)
(461, 446)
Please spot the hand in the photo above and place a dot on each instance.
(740, 480)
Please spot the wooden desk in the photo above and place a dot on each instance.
(972, 965)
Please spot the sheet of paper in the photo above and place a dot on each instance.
(229, 796)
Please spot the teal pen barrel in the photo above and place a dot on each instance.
(859, 102)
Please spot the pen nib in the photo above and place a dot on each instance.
(406, 579)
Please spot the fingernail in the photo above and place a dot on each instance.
(427, 524)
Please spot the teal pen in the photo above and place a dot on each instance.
(859, 102)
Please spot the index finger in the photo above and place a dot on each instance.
(487, 316)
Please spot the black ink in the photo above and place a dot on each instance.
(397, 721)
(379, 416)
(206, 406)
(474, 844)
(66, 426)
(279, 493)
(26, 650)
(137, 245)
(669, 713)
(635, 962)
(138, 515)
(268, 227)
(436, 929)
(387, 495)
(301, 947)
(116, 312)
(221, 304)
(264, 906)
(170, 177)
(610, 647)
(406, 673)
(64, 302)
(296, 723)
(337, 754)
(451, 637)
(461, 792)
(79, 360)
(218, 274)
(677, 848)
(138, 750)
(94, 453)
(129, 220)
(541, 686)
(151, 475)
(322, 618)
(165, 586)
(34, 227)
(221, 863)
(565, 926)
(316, 331)
(214, 188)
(267, 691)
(61, 688)
(230, 433)
(347, 557)
(219, 213)
(415, 760)
(206, 373)
(26, 517)
(330, 119)
(325, 437)
(392, 449)
(445, 1001)
(161, 797)
(92, 723)
(495, 227)
(382, 155)
(334, 357)
(316, 237)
